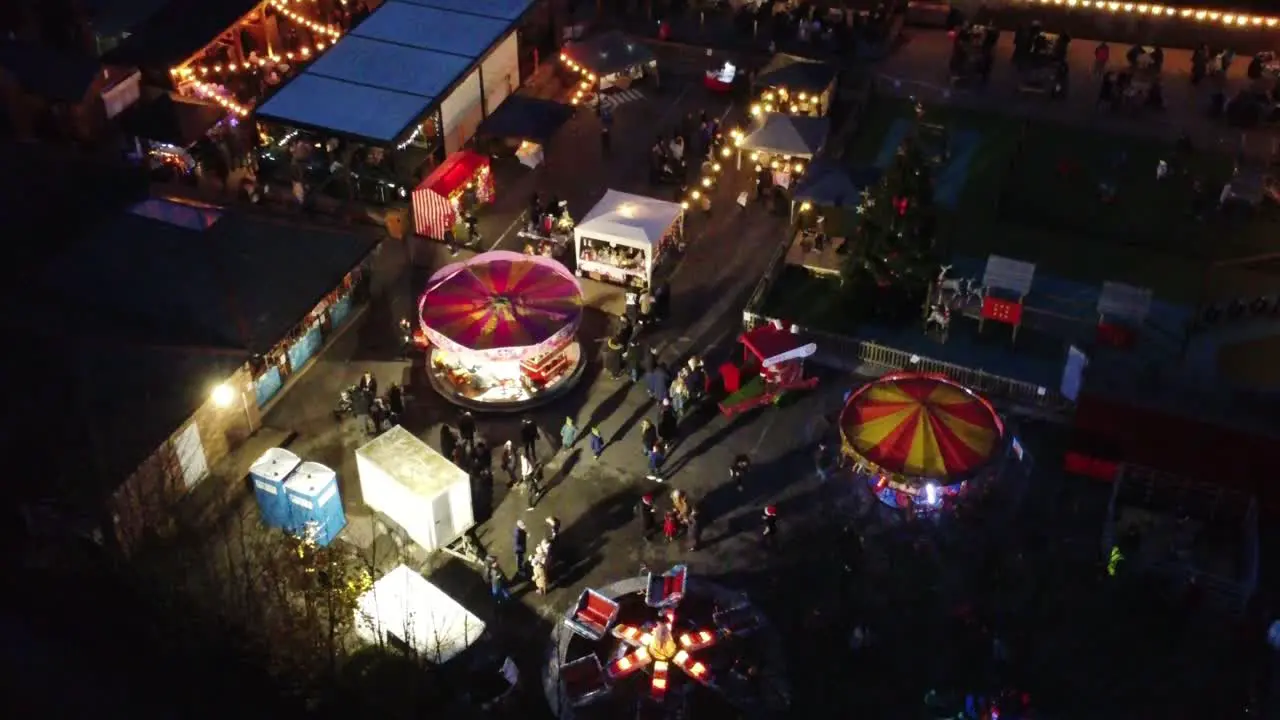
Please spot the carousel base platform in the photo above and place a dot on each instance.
(447, 390)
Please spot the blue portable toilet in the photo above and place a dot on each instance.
(315, 507)
(268, 475)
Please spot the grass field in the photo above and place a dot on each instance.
(1033, 193)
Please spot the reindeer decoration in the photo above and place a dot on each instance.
(939, 318)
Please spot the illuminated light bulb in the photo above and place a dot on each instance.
(1201, 15)
(1113, 6)
(768, 107)
(173, 71)
(1256, 20)
(1228, 19)
(755, 156)
(737, 142)
(755, 109)
(1128, 8)
(684, 205)
(803, 96)
(799, 168)
(563, 57)
(1143, 9)
(715, 167)
(706, 182)
(1214, 16)
(805, 207)
(726, 152)
(773, 165)
(573, 101)
(794, 109)
(1271, 22)
(695, 194)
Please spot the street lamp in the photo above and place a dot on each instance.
(224, 396)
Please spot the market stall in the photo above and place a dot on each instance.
(780, 146)
(625, 237)
(549, 232)
(502, 329)
(450, 193)
(794, 86)
(525, 124)
(919, 439)
(607, 61)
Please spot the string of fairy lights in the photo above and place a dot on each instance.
(588, 79)
(781, 100)
(197, 75)
(1229, 19)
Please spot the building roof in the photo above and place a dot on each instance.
(525, 118)
(632, 220)
(510, 10)
(240, 284)
(383, 78)
(174, 33)
(48, 73)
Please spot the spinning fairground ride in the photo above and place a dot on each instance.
(501, 329)
(665, 646)
(920, 440)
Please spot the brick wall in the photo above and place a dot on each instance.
(145, 506)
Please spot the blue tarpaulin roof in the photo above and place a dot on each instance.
(324, 104)
(389, 67)
(384, 77)
(500, 9)
(826, 183)
(431, 29)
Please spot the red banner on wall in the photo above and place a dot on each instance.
(1005, 311)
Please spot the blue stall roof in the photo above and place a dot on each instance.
(385, 66)
(427, 28)
(324, 104)
(508, 10)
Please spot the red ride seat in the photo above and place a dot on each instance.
(584, 680)
(593, 615)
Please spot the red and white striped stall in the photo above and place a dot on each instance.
(435, 200)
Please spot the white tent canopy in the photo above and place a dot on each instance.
(633, 221)
(796, 136)
(403, 607)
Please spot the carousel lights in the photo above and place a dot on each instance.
(1199, 15)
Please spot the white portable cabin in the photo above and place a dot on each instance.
(404, 609)
(627, 220)
(315, 505)
(416, 487)
(268, 474)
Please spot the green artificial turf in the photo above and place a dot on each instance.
(1052, 213)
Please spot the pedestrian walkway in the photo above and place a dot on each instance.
(612, 100)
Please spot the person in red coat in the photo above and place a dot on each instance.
(670, 525)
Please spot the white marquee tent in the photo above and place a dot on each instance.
(792, 135)
(403, 608)
(632, 221)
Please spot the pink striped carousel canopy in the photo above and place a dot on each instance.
(502, 305)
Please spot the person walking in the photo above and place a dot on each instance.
(738, 471)
(568, 434)
(532, 487)
(670, 526)
(395, 404)
(769, 528)
(648, 436)
(694, 528)
(369, 386)
(597, 443)
(680, 503)
(511, 464)
(678, 394)
(448, 442)
(497, 582)
(668, 425)
(540, 580)
(519, 545)
(467, 429)
(657, 458)
(647, 516)
(658, 383)
(635, 360)
(553, 528)
(529, 437)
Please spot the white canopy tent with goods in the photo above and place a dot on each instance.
(418, 489)
(404, 610)
(626, 222)
(779, 140)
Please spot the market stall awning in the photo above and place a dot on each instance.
(456, 170)
(501, 301)
(312, 102)
(178, 31)
(609, 53)
(509, 10)
(828, 184)
(796, 74)
(525, 118)
(781, 134)
(170, 119)
(633, 220)
(426, 28)
(922, 427)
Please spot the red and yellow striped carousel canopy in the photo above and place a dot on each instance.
(921, 426)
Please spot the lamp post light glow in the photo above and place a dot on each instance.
(224, 396)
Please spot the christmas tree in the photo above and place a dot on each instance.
(893, 258)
